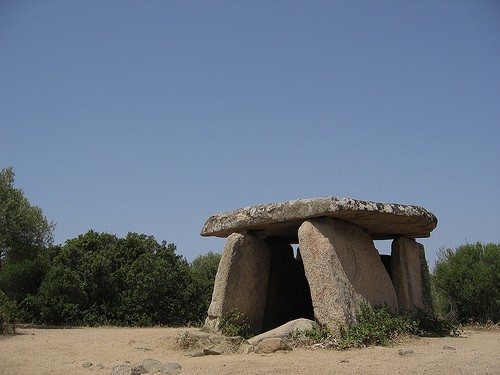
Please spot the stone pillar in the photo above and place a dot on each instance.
(241, 282)
(343, 269)
(410, 275)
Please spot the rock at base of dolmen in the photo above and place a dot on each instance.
(285, 330)
(241, 282)
(344, 271)
(410, 275)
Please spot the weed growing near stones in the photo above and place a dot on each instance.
(316, 337)
(374, 327)
(235, 323)
(433, 326)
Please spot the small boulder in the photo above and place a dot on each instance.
(128, 369)
(98, 366)
(271, 345)
(285, 330)
(208, 351)
(170, 369)
(151, 365)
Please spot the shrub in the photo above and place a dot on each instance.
(434, 326)
(234, 323)
(203, 269)
(99, 278)
(317, 336)
(7, 315)
(466, 283)
(376, 327)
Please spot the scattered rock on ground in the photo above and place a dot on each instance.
(208, 351)
(170, 369)
(213, 344)
(203, 352)
(285, 330)
(92, 366)
(151, 365)
(128, 369)
(147, 366)
(271, 345)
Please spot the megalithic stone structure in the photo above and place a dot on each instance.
(410, 275)
(337, 267)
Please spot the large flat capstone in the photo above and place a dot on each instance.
(381, 220)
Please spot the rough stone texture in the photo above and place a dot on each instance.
(170, 369)
(241, 282)
(147, 366)
(381, 220)
(128, 369)
(151, 365)
(285, 330)
(343, 269)
(338, 270)
(410, 275)
(271, 345)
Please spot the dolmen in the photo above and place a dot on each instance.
(334, 270)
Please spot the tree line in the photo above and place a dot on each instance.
(101, 279)
(96, 278)
(465, 283)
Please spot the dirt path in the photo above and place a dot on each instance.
(64, 351)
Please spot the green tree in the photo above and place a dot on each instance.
(466, 283)
(204, 268)
(62, 296)
(19, 278)
(7, 314)
(98, 278)
(23, 227)
(157, 284)
(25, 233)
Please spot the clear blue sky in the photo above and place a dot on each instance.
(150, 116)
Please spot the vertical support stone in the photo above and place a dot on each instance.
(241, 282)
(343, 269)
(410, 275)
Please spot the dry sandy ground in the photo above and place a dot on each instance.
(63, 351)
